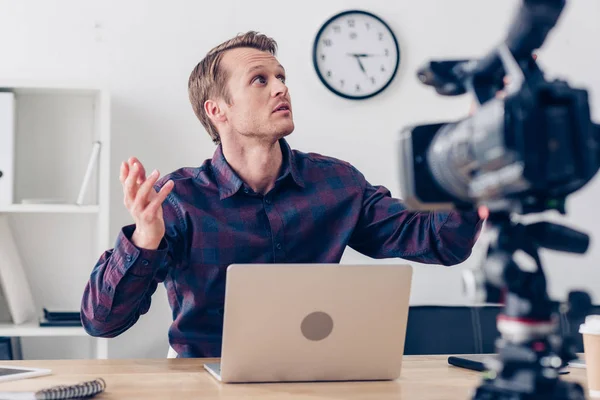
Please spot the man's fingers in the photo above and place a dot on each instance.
(130, 187)
(142, 175)
(156, 203)
(143, 196)
(123, 172)
(133, 160)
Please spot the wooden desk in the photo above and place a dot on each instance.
(422, 378)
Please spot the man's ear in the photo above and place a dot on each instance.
(214, 111)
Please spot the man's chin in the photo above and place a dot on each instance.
(286, 131)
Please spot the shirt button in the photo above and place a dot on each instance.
(109, 289)
(268, 201)
(145, 262)
(278, 245)
(128, 258)
(246, 190)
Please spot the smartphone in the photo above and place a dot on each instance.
(476, 362)
(473, 362)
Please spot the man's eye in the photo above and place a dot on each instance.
(281, 78)
(260, 79)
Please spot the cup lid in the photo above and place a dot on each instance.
(591, 326)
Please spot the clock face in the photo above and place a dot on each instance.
(356, 54)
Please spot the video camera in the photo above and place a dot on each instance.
(525, 152)
(520, 153)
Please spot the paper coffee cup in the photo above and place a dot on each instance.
(590, 330)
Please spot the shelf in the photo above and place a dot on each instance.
(34, 329)
(50, 208)
(29, 87)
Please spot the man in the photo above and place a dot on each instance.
(256, 201)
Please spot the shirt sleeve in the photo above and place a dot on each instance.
(125, 277)
(387, 229)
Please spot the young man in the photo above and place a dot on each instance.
(255, 201)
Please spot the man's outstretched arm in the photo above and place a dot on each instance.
(386, 229)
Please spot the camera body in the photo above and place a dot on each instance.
(525, 152)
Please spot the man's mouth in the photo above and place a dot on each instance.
(282, 107)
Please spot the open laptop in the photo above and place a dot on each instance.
(313, 322)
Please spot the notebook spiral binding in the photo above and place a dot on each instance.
(80, 390)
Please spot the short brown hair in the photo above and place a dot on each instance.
(209, 80)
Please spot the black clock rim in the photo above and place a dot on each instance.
(322, 78)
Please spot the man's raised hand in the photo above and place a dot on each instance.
(144, 203)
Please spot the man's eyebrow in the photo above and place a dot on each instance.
(256, 67)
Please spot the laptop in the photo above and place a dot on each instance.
(313, 322)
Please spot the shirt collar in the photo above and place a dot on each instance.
(229, 182)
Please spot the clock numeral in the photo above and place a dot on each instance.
(327, 42)
(368, 25)
(336, 28)
(329, 73)
(322, 56)
(387, 52)
(353, 35)
(342, 82)
(382, 68)
(380, 36)
(351, 23)
(357, 87)
(373, 80)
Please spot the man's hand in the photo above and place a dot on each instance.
(144, 203)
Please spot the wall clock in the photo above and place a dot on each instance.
(356, 54)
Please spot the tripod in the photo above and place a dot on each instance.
(530, 351)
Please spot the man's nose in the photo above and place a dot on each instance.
(279, 88)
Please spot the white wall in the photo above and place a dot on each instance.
(143, 51)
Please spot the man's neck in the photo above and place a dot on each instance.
(256, 163)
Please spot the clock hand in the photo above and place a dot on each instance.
(363, 55)
(362, 67)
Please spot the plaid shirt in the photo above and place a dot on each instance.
(319, 205)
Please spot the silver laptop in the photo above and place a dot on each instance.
(313, 322)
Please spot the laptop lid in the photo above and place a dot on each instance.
(314, 322)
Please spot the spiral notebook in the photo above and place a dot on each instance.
(81, 390)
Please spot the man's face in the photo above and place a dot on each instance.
(260, 103)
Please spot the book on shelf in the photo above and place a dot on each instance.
(67, 323)
(13, 281)
(5, 317)
(7, 147)
(5, 349)
(61, 315)
(60, 318)
(10, 348)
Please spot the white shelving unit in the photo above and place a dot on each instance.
(59, 244)
(50, 208)
(33, 329)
